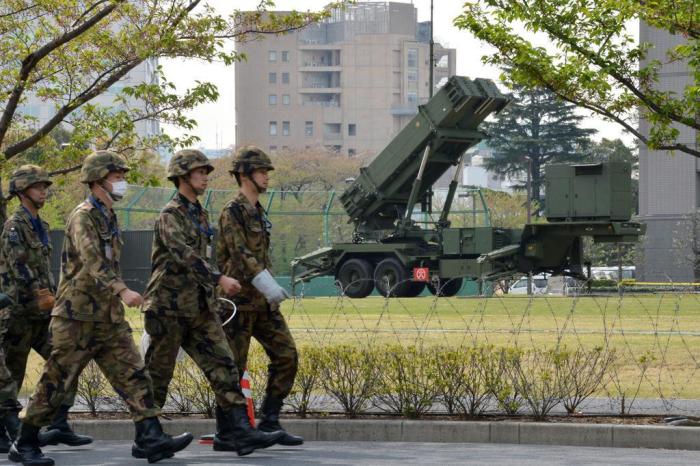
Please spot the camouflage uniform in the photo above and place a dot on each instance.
(24, 270)
(88, 318)
(243, 251)
(8, 387)
(174, 318)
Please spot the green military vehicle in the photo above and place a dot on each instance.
(394, 254)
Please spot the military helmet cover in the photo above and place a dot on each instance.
(101, 163)
(27, 175)
(250, 158)
(186, 160)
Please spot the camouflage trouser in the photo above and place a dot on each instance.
(22, 336)
(204, 341)
(270, 329)
(8, 387)
(75, 343)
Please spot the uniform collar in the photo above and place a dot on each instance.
(23, 214)
(243, 200)
(187, 203)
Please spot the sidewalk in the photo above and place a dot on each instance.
(505, 432)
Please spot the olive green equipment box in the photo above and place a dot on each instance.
(394, 254)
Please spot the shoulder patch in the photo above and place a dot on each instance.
(13, 235)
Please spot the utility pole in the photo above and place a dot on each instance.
(432, 51)
(529, 214)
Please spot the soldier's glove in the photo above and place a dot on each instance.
(45, 299)
(266, 284)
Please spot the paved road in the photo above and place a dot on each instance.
(376, 453)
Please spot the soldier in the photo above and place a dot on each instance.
(180, 309)
(243, 251)
(25, 276)
(88, 321)
(9, 423)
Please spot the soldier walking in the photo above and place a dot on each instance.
(88, 322)
(25, 276)
(180, 308)
(9, 423)
(243, 251)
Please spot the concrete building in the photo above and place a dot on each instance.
(41, 110)
(349, 83)
(669, 186)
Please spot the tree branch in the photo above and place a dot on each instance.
(31, 61)
(91, 92)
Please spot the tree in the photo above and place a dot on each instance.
(537, 126)
(594, 61)
(613, 150)
(69, 52)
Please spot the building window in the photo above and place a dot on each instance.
(309, 128)
(272, 99)
(352, 129)
(413, 58)
(273, 148)
(412, 98)
(285, 78)
(273, 129)
(272, 56)
(285, 147)
(412, 76)
(285, 99)
(285, 56)
(285, 128)
(351, 152)
(272, 78)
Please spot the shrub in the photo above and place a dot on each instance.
(349, 375)
(407, 381)
(307, 380)
(584, 371)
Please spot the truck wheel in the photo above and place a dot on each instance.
(415, 289)
(391, 278)
(446, 287)
(356, 278)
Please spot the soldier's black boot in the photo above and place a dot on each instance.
(271, 421)
(153, 444)
(12, 424)
(4, 440)
(26, 449)
(234, 433)
(60, 432)
(9, 428)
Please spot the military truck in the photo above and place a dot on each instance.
(396, 255)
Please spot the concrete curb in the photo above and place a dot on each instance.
(349, 430)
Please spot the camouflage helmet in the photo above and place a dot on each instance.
(101, 163)
(186, 160)
(27, 175)
(250, 158)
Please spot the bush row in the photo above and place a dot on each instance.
(404, 380)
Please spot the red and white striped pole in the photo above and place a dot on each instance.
(245, 388)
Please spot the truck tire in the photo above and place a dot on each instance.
(446, 287)
(415, 289)
(391, 278)
(356, 277)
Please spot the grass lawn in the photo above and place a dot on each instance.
(662, 329)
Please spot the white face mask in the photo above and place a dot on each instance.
(119, 189)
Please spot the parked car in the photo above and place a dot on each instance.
(539, 285)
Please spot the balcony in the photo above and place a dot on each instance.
(320, 90)
(318, 67)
